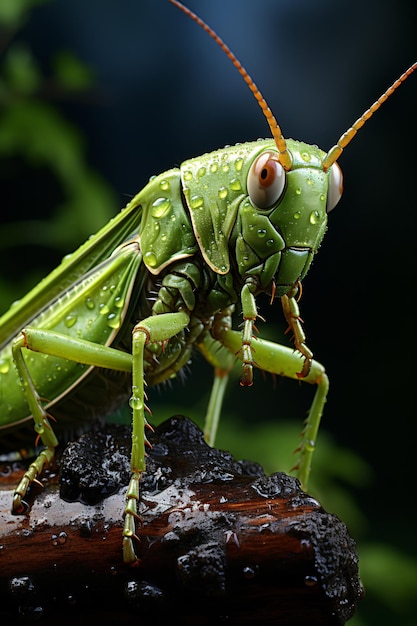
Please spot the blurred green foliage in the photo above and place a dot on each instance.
(37, 142)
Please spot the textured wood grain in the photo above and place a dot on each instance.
(220, 542)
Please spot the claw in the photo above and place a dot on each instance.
(306, 367)
(19, 506)
(247, 375)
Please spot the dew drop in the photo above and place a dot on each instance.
(235, 185)
(71, 600)
(164, 185)
(4, 366)
(310, 445)
(306, 156)
(136, 403)
(226, 167)
(89, 303)
(223, 193)
(188, 175)
(261, 232)
(150, 259)
(298, 191)
(113, 320)
(201, 172)
(196, 202)
(59, 540)
(249, 572)
(161, 207)
(297, 215)
(70, 320)
(213, 168)
(310, 581)
(238, 164)
(314, 217)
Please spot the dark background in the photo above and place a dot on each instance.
(164, 92)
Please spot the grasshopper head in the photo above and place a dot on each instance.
(284, 217)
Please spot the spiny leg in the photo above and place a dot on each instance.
(153, 329)
(311, 428)
(250, 314)
(222, 361)
(53, 344)
(284, 361)
(42, 427)
(292, 315)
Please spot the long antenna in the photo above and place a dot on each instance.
(335, 152)
(284, 157)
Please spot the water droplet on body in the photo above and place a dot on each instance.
(161, 207)
(4, 367)
(150, 258)
(70, 320)
(164, 185)
(196, 202)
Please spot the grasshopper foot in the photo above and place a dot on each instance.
(20, 507)
(131, 519)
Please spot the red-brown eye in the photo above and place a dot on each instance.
(266, 180)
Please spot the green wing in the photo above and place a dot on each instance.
(96, 249)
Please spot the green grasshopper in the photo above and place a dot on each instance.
(205, 237)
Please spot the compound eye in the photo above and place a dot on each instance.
(266, 180)
(335, 190)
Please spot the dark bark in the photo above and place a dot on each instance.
(220, 542)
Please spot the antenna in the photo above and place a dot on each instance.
(284, 157)
(335, 152)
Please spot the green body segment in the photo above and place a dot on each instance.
(194, 237)
(166, 234)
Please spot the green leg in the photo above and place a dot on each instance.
(218, 389)
(284, 361)
(222, 361)
(153, 329)
(54, 344)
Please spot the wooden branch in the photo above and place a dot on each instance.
(219, 540)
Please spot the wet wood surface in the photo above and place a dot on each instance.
(219, 541)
